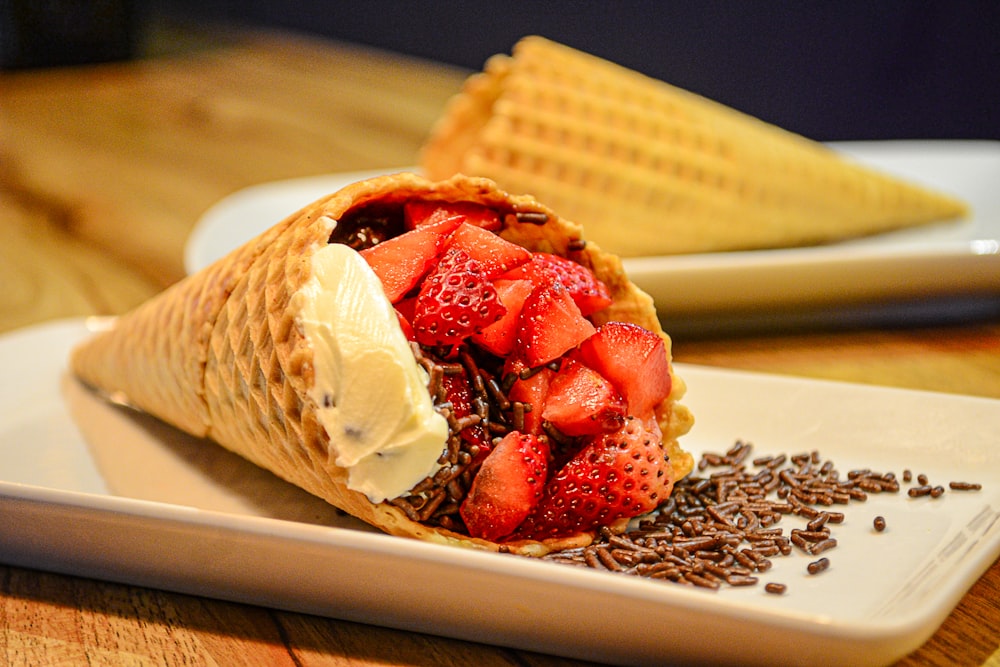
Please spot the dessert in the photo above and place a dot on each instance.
(442, 360)
(651, 169)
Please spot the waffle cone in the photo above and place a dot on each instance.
(650, 169)
(221, 355)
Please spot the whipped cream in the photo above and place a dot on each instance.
(370, 394)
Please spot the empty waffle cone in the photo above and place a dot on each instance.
(224, 355)
(650, 169)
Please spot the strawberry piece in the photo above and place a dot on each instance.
(589, 293)
(494, 253)
(401, 262)
(581, 402)
(499, 338)
(507, 487)
(404, 324)
(616, 475)
(530, 391)
(455, 301)
(407, 307)
(634, 360)
(419, 213)
(550, 325)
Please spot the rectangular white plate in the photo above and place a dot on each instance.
(93, 489)
(943, 260)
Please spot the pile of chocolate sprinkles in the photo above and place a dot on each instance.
(719, 527)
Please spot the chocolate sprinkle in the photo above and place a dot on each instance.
(775, 588)
(532, 217)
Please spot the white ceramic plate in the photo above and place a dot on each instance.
(959, 258)
(93, 489)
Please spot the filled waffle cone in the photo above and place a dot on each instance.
(650, 169)
(223, 355)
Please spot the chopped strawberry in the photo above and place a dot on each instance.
(407, 307)
(550, 325)
(616, 475)
(508, 486)
(499, 338)
(634, 359)
(400, 262)
(589, 293)
(419, 213)
(496, 255)
(581, 402)
(530, 389)
(404, 324)
(455, 301)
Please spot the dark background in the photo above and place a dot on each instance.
(828, 70)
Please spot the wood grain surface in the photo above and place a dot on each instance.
(105, 169)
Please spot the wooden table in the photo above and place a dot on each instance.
(103, 172)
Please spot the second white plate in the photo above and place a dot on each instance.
(961, 258)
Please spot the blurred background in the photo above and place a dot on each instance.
(828, 70)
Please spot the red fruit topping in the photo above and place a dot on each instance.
(550, 325)
(407, 307)
(401, 262)
(418, 213)
(507, 488)
(499, 338)
(581, 402)
(496, 255)
(589, 293)
(455, 301)
(616, 475)
(404, 324)
(530, 389)
(634, 359)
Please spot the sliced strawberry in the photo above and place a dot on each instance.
(507, 487)
(455, 301)
(634, 359)
(419, 213)
(581, 402)
(494, 253)
(407, 307)
(404, 324)
(550, 325)
(499, 338)
(589, 293)
(530, 389)
(616, 475)
(401, 262)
